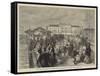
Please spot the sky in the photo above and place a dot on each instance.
(33, 16)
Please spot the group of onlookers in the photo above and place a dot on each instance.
(50, 53)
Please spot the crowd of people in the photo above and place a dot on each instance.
(50, 52)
